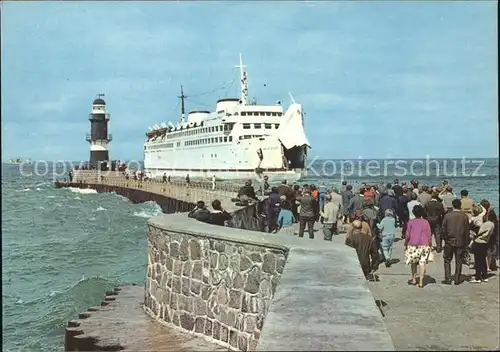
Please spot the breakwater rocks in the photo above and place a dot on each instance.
(218, 289)
(77, 339)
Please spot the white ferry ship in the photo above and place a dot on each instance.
(239, 140)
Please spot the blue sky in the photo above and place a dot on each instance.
(395, 79)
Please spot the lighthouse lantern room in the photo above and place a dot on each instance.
(98, 136)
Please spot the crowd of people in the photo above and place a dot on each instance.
(216, 216)
(458, 225)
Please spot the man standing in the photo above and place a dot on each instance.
(447, 197)
(455, 231)
(365, 248)
(424, 196)
(467, 203)
(356, 203)
(336, 199)
(330, 215)
(346, 197)
(411, 204)
(435, 212)
(307, 214)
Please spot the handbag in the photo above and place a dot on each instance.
(430, 257)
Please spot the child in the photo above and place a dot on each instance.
(388, 228)
(285, 219)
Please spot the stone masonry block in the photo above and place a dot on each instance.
(195, 252)
(252, 282)
(269, 263)
(197, 270)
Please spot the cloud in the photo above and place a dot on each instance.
(358, 68)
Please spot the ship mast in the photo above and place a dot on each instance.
(244, 83)
(182, 97)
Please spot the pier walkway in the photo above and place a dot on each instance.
(176, 188)
(438, 317)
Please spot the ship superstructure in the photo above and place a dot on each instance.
(239, 140)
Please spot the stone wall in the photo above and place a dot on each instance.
(216, 288)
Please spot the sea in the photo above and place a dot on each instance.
(63, 248)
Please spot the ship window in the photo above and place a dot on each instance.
(246, 126)
(273, 114)
(230, 138)
(241, 137)
(268, 126)
(212, 129)
(268, 113)
(220, 139)
(236, 114)
(225, 128)
(247, 137)
(225, 139)
(280, 113)
(276, 125)
(257, 125)
(212, 140)
(243, 113)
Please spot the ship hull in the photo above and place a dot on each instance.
(231, 175)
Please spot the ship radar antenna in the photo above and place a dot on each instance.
(182, 97)
(244, 82)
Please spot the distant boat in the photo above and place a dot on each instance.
(19, 161)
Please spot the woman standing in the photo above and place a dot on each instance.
(418, 244)
(481, 236)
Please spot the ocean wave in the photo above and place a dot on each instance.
(76, 291)
(125, 199)
(149, 209)
(82, 190)
(101, 209)
(51, 196)
(24, 190)
(77, 198)
(38, 189)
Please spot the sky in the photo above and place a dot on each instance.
(375, 79)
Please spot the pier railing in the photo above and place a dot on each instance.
(195, 190)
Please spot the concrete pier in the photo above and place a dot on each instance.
(245, 290)
(120, 324)
(209, 288)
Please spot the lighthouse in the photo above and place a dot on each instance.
(98, 136)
